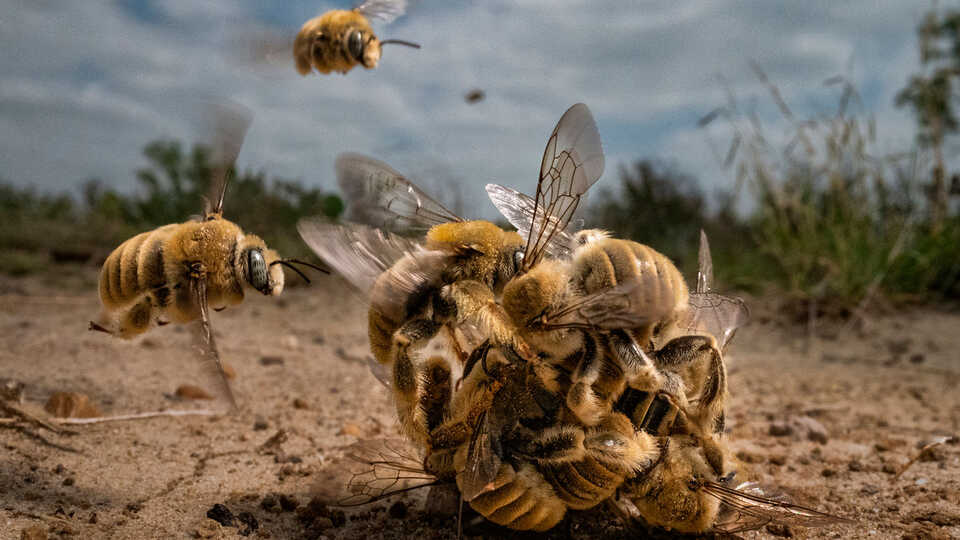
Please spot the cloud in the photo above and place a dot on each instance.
(87, 84)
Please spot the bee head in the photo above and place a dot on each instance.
(257, 265)
(484, 252)
(363, 47)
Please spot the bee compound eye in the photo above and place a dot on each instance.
(355, 45)
(257, 274)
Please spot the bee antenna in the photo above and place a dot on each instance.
(288, 264)
(401, 42)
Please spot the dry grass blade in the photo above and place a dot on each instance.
(926, 448)
(137, 416)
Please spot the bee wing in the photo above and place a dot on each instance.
(209, 352)
(715, 314)
(230, 124)
(388, 467)
(705, 267)
(572, 162)
(637, 302)
(519, 210)
(381, 197)
(482, 464)
(749, 509)
(381, 372)
(385, 10)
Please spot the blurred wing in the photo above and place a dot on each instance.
(361, 254)
(385, 10)
(483, 463)
(705, 268)
(572, 162)
(230, 124)
(638, 302)
(381, 197)
(381, 372)
(715, 314)
(389, 467)
(746, 509)
(519, 208)
(213, 368)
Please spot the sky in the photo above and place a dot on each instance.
(85, 85)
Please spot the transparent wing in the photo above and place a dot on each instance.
(386, 267)
(519, 208)
(209, 353)
(572, 162)
(715, 314)
(385, 10)
(381, 372)
(638, 302)
(748, 508)
(381, 197)
(230, 124)
(482, 462)
(705, 267)
(388, 467)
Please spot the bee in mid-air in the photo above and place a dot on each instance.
(176, 272)
(340, 39)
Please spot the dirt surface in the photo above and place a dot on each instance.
(830, 424)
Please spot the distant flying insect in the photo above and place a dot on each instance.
(176, 272)
(340, 39)
(474, 96)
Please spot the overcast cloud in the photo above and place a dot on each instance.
(86, 84)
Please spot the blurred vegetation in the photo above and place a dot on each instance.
(813, 212)
(39, 229)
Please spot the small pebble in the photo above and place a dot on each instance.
(260, 424)
(271, 361)
(780, 429)
(917, 358)
(827, 473)
(189, 391)
(780, 529)
(69, 481)
(250, 521)
(221, 514)
(855, 466)
(299, 403)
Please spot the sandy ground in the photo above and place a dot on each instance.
(871, 396)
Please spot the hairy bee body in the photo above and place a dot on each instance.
(146, 277)
(323, 43)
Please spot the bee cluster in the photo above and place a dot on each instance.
(546, 369)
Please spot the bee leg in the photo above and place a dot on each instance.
(687, 356)
(455, 344)
(408, 383)
(96, 327)
(472, 301)
(555, 445)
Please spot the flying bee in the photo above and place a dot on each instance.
(176, 272)
(456, 274)
(341, 39)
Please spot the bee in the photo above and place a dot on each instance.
(176, 272)
(520, 460)
(456, 274)
(341, 39)
(684, 493)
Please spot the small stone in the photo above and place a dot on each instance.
(221, 514)
(855, 466)
(350, 428)
(11, 390)
(815, 431)
(780, 529)
(780, 429)
(71, 405)
(59, 469)
(917, 358)
(778, 459)
(889, 468)
(228, 371)
(287, 503)
(290, 341)
(827, 473)
(319, 340)
(271, 504)
(271, 361)
(250, 522)
(93, 518)
(189, 391)
(300, 404)
(869, 489)
(398, 510)
(69, 481)
(321, 524)
(260, 424)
